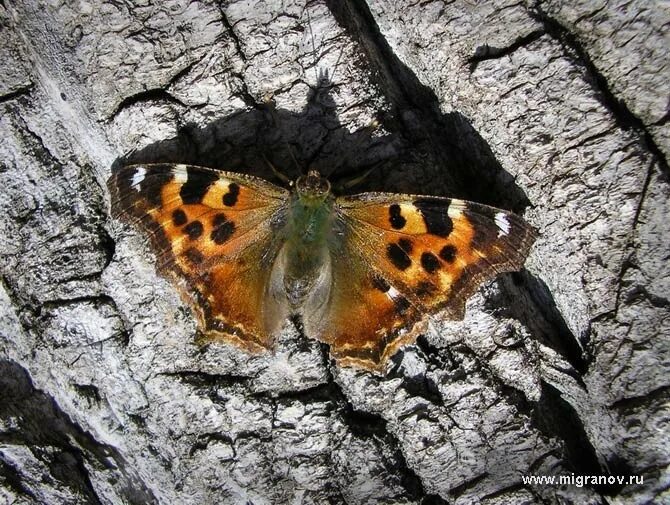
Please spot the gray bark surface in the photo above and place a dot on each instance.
(564, 368)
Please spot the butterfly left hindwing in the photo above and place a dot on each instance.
(214, 233)
(402, 257)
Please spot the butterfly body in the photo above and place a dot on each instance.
(308, 233)
(363, 272)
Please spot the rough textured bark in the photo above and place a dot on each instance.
(555, 112)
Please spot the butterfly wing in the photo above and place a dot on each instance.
(398, 257)
(215, 234)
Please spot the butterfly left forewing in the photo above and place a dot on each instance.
(213, 233)
(432, 252)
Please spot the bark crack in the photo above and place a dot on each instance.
(12, 478)
(486, 52)
(22, 91)
(630, 245)
(154, 94)
(371, 425)
(231, 30)
(60, 443)
(659, 394)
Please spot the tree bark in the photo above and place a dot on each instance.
(562, 369)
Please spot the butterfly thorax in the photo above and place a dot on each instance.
(308, 225)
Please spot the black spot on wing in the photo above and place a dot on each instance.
(222, 229)
(197, 184)
(429, 262)
(230, 198)
(179, 217)
(194, 229)
(435, 215)
(398, 257)
(396, 219)
(448, 253)
(406, 245)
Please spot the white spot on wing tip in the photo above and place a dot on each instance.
(503, 224)
(180, 174)
(138, 177)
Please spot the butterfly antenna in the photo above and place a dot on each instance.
(350, 182)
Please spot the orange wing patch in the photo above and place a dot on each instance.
(197, 217)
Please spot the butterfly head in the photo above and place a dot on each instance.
(312, 186)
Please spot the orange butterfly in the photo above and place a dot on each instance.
(362, 271)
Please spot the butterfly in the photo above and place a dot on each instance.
(362, 272)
